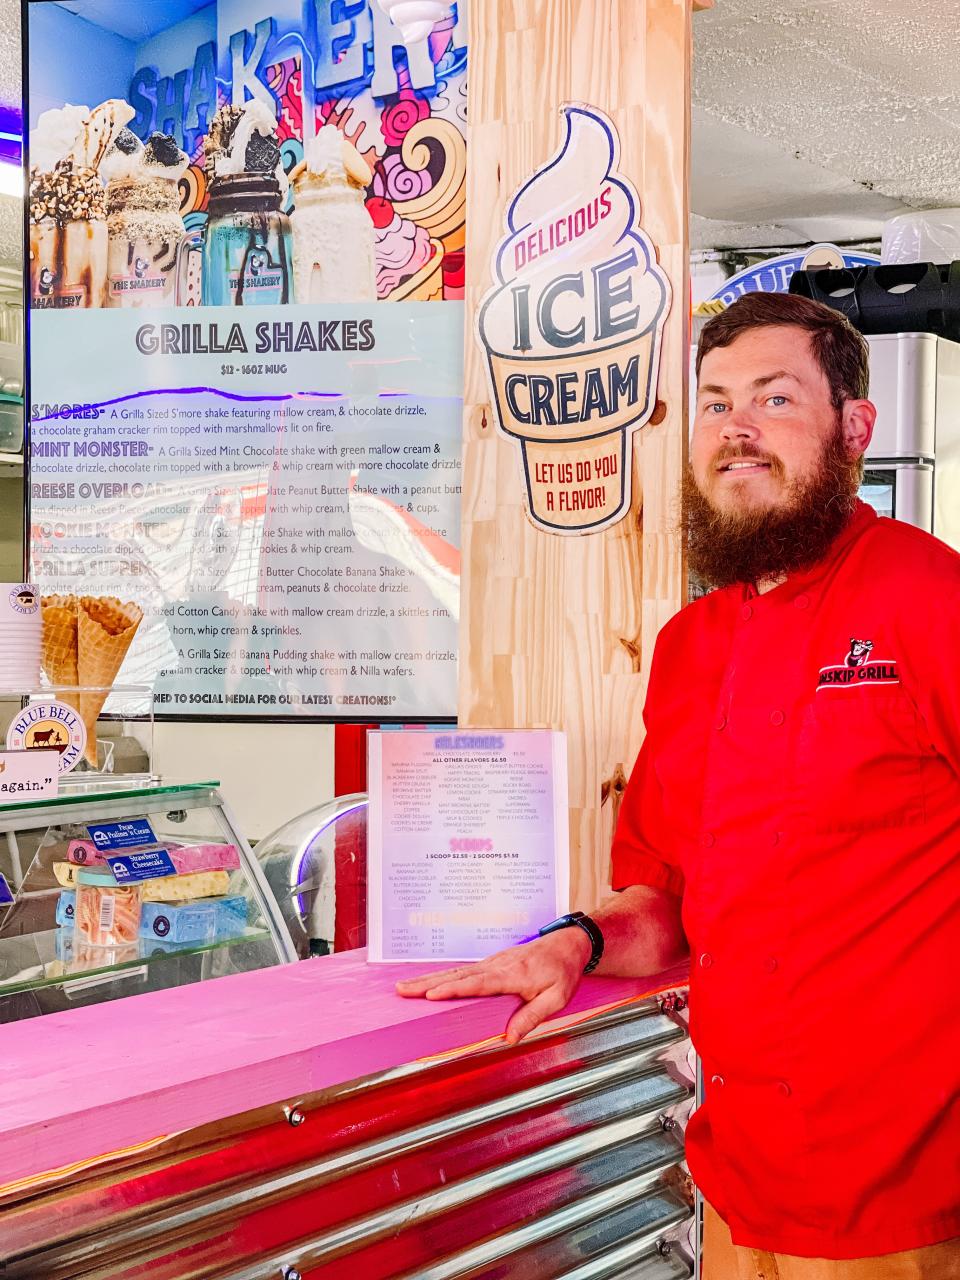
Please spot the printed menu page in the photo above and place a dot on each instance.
(468, 841)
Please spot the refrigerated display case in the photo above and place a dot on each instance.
(313, 1125)
(213, 917)
(304, 1120)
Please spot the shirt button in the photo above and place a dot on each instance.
(721, 723)
(708, 840)
(706, 960)
(783, 1089)
(717, 1080)
(801, 602)
(777, 717)
(776, 837)
(770, 964)
(746, 613)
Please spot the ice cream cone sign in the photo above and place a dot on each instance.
(572, 329)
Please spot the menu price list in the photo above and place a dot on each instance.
(468, 841)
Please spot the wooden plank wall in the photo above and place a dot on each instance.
(558, 631)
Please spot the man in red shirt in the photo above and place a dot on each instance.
(793, 820)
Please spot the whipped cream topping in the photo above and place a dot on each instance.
(575, 218)
(323, 154)
(77, 134)
(334, 159)
(54, 137)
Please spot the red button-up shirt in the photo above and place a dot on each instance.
(799, 785)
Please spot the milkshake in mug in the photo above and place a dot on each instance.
(333, 235)
(247, 251)
(144, 226)
(68, 212)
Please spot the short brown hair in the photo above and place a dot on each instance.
(840, 350)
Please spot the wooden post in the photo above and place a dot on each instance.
(557, 630)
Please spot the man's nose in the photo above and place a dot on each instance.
(738, 424)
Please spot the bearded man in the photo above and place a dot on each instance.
(793, 821)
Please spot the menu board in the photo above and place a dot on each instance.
(467, 841)
(246, 345)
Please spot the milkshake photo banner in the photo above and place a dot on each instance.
(572, 329)
(246, 275)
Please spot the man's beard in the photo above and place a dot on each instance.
(758, 543)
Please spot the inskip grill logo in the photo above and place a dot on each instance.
(858, 669)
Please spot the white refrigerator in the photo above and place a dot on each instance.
(912, 468)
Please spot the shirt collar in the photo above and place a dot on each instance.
(861, 520)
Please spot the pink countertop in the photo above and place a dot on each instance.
(82, 1084)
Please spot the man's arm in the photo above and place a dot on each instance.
(642, 929)
(642, 934)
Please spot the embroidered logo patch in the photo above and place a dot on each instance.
(859, 668)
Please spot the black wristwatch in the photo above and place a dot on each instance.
(576, 919)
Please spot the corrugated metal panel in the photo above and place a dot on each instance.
(559, 1158)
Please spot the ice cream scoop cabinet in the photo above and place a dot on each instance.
(118, 892)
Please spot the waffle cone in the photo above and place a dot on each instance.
(105, 631)
(59, 645)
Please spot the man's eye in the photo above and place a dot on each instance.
(777, 401)
(717, 407)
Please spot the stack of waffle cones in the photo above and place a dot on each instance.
(85, 640)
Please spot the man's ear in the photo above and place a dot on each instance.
(858, 418)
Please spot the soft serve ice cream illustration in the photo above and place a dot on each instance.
(572, 329)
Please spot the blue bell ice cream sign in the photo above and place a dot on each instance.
(774, 274)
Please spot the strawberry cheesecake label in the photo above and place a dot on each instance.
(572, 329)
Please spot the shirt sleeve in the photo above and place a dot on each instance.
(933, 679)
(643, 851)
(645, 848)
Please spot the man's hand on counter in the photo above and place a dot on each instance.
(643, 934)
(543, 973)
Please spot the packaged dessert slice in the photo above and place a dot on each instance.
(210, 920)
(202, 884)
(107, 913)
(67, 908)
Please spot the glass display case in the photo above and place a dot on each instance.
(114, 893)
(316, 867)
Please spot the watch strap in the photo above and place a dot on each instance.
(578, 920)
